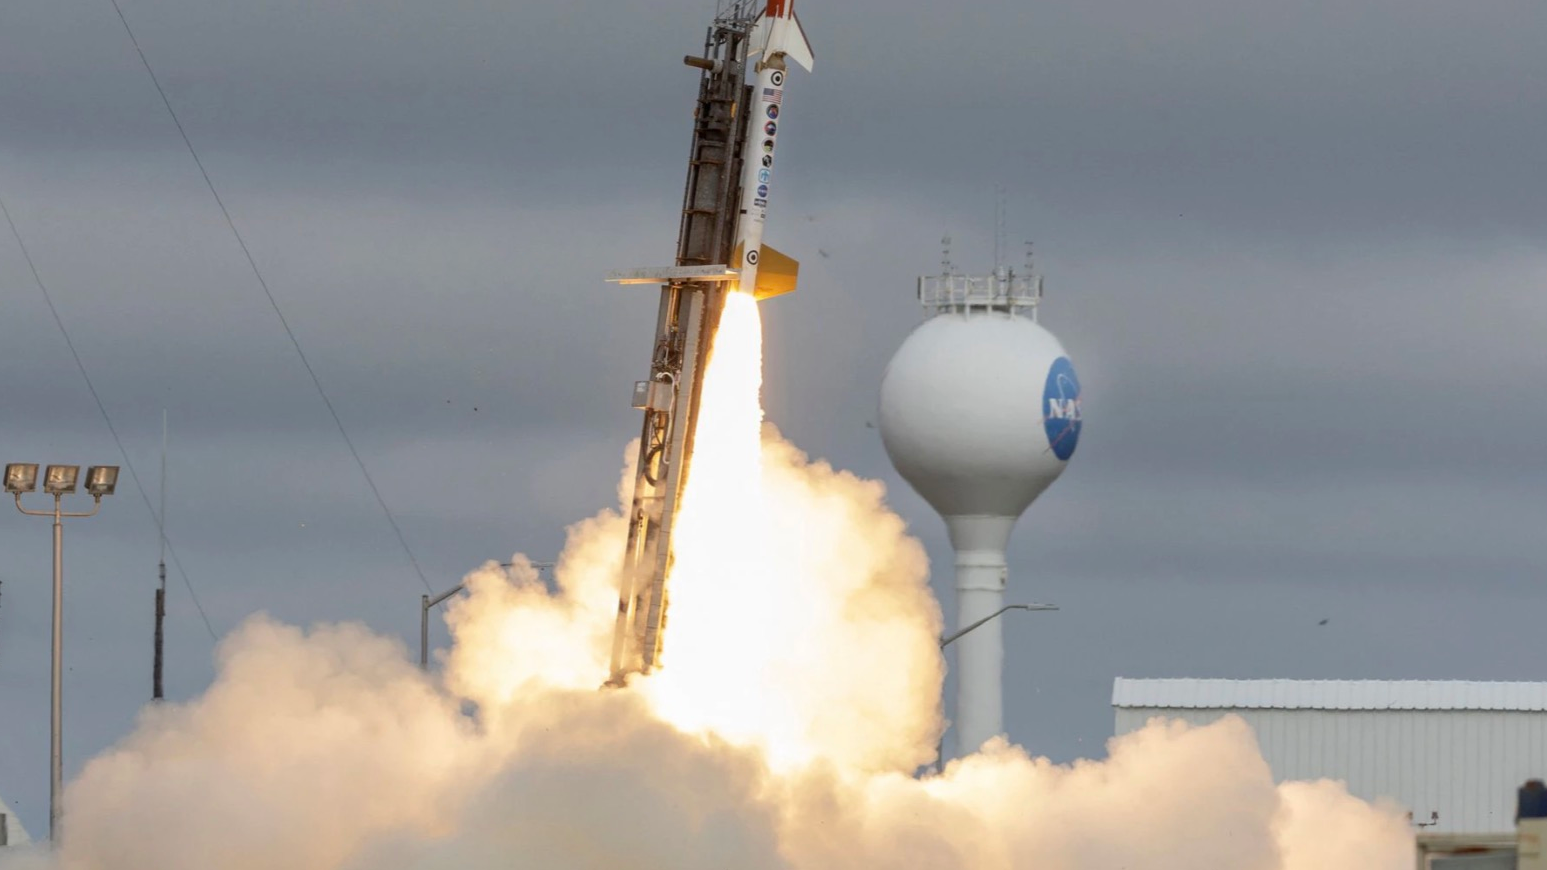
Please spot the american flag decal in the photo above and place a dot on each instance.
(773, 95)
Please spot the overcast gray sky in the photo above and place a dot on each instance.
(1295, 251)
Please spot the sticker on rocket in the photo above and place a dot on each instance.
(773, 112)
(1061, 408)
(767, 146)
(762, 191)
(763, 175)
(777, 78)
(770, 128)
(767, 160)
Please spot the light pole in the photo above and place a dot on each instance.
(426, 602)
(58, 481)
(949, 639)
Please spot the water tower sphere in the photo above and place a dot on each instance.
(980, 413)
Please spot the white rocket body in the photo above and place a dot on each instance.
(777, 38)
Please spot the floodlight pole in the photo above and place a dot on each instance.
(56, 720)
(947, 640)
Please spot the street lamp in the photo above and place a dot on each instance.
(58, 481)
(426, 602)
(947, 640)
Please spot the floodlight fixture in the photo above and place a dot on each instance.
(60, 479)
(101, 480)
(21, 477)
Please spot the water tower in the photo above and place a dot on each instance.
(980, 412)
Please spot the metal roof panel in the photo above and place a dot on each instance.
(1329, 694)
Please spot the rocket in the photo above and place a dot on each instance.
(777, 38)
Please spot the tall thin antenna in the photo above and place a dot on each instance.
(156, 693)
(999, 233)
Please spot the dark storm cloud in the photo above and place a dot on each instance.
(1294, 118)
(1294, 251)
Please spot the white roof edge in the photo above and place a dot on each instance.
(1328, 694)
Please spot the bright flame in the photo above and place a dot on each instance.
(717, 641)
(798, 620)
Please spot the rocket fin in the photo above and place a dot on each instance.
(776, 274)
(795, 45)
(782, 34)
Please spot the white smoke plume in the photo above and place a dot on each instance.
(800, 692)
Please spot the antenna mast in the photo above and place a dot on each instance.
(999, 234)
(156, 693)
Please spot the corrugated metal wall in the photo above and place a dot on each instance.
(1465, 764)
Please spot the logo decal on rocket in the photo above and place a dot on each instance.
(777, 78)
(770, 128)
(767, 146)
(773, 111)
(763, 175)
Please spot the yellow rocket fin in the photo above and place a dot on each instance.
(776, 272)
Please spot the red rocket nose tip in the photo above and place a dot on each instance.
(775, 8)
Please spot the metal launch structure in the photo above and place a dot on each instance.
(719, 250)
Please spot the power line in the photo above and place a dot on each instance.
(316, 382)
(113, 430)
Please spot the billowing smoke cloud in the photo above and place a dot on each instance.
(799, 694)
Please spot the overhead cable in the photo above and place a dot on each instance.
(106, 418)
(257, 273)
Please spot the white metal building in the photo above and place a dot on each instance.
(1459, 749)
(11, 831)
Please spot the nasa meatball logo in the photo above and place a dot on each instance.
(777, 78)
(1061, 408)
(762, 191)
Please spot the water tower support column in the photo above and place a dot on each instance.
(980, 581)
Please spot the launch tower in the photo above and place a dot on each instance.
(719, 250)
